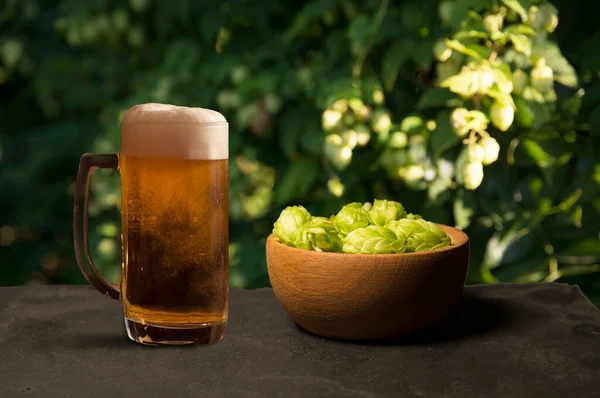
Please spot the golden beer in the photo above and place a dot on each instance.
(174, 218)
(174, 242)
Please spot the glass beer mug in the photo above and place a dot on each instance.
(174, 218)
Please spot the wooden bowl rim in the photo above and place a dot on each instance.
(457, 239)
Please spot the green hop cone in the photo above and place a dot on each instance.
(384, 211)
(491, 150)
(542, 77)
(419, 235)
(502, 115)
(378, 97)
(330, 119)
(463, 121)
(492, 23)
(459, 122)
(381, 121)
(544, 17)
(473, 175)
(351, 217)
(412, 216)
(476, 153)
(373, 240)
(363, 134)
(398, 140)
(288, 227)
(339, 154)
(350, 138)
(320, 235)
(340, 105)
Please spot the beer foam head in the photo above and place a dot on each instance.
(170, 131)
(171, 114)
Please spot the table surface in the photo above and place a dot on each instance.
(535, 340)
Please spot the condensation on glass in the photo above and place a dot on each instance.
(174, 218)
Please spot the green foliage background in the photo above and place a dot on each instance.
(69, 69)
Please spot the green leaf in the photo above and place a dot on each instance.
(576, 216)
(360, 28)
(211, 21)
(308, 14)
(290, 124)
(564, 73)
(521, 42)
(464, 209)
(537, 153)
(523, 29)
(459, 11)
(438, 97)
(524, 116)
(470, 34)
(423, 55)
(497, 247)
(297, 180)
(392, 60)
(469, 49)
(517, 7)
(436, 190)
(443, 137)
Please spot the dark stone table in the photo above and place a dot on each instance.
(500, 341)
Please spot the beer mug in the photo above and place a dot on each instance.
(174, 218)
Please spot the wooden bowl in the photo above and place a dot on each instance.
(368, 296)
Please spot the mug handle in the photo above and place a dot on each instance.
(88, 164)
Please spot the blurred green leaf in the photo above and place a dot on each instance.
(360, 29)
(437, 97)
(563, 71)
(443, 137)
(522, 29)
(308, 14)
(497, 247)
(521, 42)
(518, 7)
(464, 210)
(297, 180)
(392, 61)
